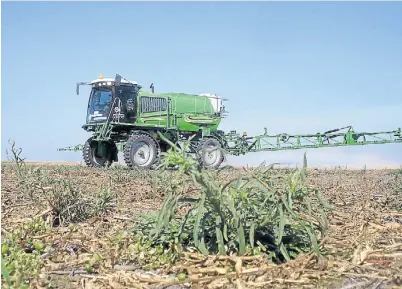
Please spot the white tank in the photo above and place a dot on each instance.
(215, 100)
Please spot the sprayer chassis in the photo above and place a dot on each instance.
(141, 146)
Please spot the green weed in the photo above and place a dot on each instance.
(244, 216)
(21, 253)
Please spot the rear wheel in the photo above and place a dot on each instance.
(94, 158)
(141, 151)
(210, 155)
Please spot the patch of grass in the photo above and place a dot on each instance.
(21, 252)
(67, 201)
(244, 216)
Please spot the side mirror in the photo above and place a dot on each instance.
(117, 80)
(77, 90)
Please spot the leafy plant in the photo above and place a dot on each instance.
(21, 253)
(69, 203)
(248, 215)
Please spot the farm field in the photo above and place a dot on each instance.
(67, 226)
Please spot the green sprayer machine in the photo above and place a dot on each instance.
(124, 117)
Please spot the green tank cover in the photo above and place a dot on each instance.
(188, 112)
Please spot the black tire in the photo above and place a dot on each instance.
(212, 159)
(150, 151)
(93, 160)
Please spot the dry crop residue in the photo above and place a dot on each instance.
(363, 247)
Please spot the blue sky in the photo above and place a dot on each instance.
(292, 67)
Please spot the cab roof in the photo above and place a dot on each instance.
(110, 81)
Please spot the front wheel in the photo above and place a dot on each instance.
(94, 158)
(141, 151)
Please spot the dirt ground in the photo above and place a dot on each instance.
(363, 248)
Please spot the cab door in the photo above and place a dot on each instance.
(125, 108)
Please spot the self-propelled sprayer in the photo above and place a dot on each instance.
(124, 117)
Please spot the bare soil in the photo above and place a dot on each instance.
(363, 248)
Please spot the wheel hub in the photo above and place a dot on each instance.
(142, 153)
(211, 155)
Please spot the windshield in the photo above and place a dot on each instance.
(99, 104)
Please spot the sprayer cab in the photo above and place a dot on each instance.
(112, 100)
